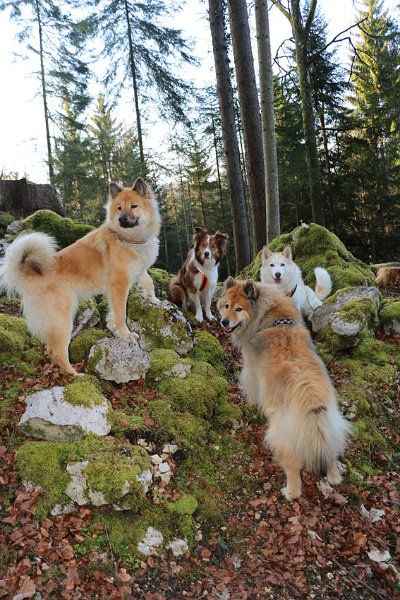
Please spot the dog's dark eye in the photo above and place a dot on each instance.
(133, 205)
(119, 207)
(226, 305)
(271, 265)
(239, 309)
(282, 264)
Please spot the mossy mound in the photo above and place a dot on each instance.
(5, 220)
(161, 279)
(14, 336)
(84, 391)
(63, 229)
(208, 349)
(314, 246)
(80, 346)
(108, 465)
(389, 316)
(161, 326)
(365, 379)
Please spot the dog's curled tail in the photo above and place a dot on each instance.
(177, 293)
(323, 286)
(321, 437)
(29, 254)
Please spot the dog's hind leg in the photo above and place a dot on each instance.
(57, 342)
(292, 467)
(333, 474)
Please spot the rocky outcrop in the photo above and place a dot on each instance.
(114, 359)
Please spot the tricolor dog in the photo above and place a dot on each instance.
(197, 279)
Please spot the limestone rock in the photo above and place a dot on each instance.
(389, 317)
(347, 317)
(116, 360)
(49, 416)
(159, 326)
(178, 547)
(152, 540)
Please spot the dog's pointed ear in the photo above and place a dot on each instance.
(141, 188)
(251, 289)
(222, 240)
(200, 231)
(287, 252)
(114, 189)
(229, 283)
(266, 252)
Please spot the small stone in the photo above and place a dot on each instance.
(170, 448)
(164, 467)
(178, 547)
(156, 459)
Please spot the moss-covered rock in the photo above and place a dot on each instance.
(111, 469)
(14, 336)
(161, 326)
(314, 246)
(65, 230)
(161, 279)
(208, 349)
(80, 346)
(5, 220)
(350, 318)
(389, 317)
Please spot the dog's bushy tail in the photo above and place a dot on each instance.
(29, 255)
(323, 286)
(177, 293)
(321, 436)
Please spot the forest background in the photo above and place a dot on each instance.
(254, 146)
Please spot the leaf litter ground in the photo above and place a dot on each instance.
(341, 543)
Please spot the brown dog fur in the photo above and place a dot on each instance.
(285, 378)
(388, 276)
(105, 261)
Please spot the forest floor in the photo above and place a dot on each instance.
(327, 544)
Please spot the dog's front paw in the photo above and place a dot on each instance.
(211, 317)
(290, 494)
(154, 300)
(199, 317)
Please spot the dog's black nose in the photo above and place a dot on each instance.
(207, 254)
(277, 275)
(123, 219)
(225, 322)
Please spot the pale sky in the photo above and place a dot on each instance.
(22, 130)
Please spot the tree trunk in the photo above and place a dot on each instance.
(229, 134)
(135, 89)
(300, 34)
(250, 117)
(268, 119)
(50, 161)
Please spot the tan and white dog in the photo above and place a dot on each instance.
(279, 269)
(283, 376)
(106, 261)
(197, 279)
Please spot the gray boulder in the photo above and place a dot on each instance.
(347, 317)
(116, 360)
(49, 416)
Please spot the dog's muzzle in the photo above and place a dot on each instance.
(225, 323)
(126, 221)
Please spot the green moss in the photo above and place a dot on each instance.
(5, 220)
(363, 311)
(65, 230)
(315, 246)
(208, 349)
(185, 505)
(43, 464)
(111, 463)
(390, 312)
(111, 471)
(14, 336)
(182, 427)
(158, 326)
(161, 279)
(165, 364)
(84, 391)
(120, 422)
(80, 346)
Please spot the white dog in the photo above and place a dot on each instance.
(280, 269)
